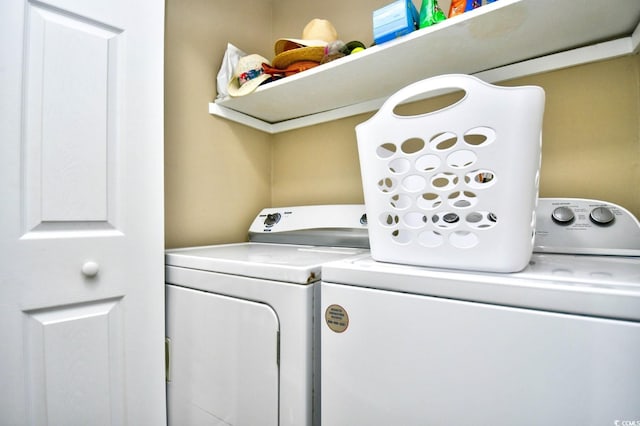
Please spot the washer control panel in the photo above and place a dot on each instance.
(584, 226)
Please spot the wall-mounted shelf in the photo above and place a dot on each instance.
(503, 40)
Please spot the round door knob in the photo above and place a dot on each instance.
(90, 269)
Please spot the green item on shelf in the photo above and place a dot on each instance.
(430, 13)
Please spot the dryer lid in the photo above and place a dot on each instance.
(291, 263)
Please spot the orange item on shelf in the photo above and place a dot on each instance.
(457, 7)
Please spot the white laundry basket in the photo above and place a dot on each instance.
(455, 188)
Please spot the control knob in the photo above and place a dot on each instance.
(562, 215)
(601, 216)
(271, 219)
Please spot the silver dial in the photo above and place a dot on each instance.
(562, 215)
(601, 216)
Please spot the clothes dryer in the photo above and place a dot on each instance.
(239, 321)
(557, 343)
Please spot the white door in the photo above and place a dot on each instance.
(223, 360)
(403, 359)
(81, 220)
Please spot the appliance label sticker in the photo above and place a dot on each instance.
(336, 318)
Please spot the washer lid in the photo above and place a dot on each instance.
(588, 285)
(298, 264)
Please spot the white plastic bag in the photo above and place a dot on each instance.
(231, 57)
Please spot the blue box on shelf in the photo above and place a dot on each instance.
(394, 20)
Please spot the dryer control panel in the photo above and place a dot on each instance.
(584, 226)
(342, 225)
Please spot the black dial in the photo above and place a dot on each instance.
(271, 219)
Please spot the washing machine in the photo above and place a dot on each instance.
(555, 344)
(239, 318)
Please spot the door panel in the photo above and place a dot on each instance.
(75, 353)
(224, 360)
(72, 112)
(81, 222)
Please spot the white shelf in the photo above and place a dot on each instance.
(503, 40)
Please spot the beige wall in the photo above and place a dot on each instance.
(591, 142)
(591, 137)
(217, 173)
(591, 145)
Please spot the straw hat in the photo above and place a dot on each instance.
(248, 75)
(315, 37)
(292, 69)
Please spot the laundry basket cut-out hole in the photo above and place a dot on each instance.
(430, 239)
(388, 219)
(462, 199)
(446, 220)
(463, 239)
(474, 217)
(481, 220)
(461, 204)
(451, 218)
(484, 177)
(444, 180)
(428, 163)
(429, 201)
(386, 150)
(399, 165)
(413, 145)
(400, 201)
(414, 183)
(438, 100)
(386, 184)
(479, 136)
(480, 178)
(415, 219)
(461, 159)
(401, 236)
(443, 141)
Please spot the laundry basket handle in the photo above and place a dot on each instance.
(439, 85)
